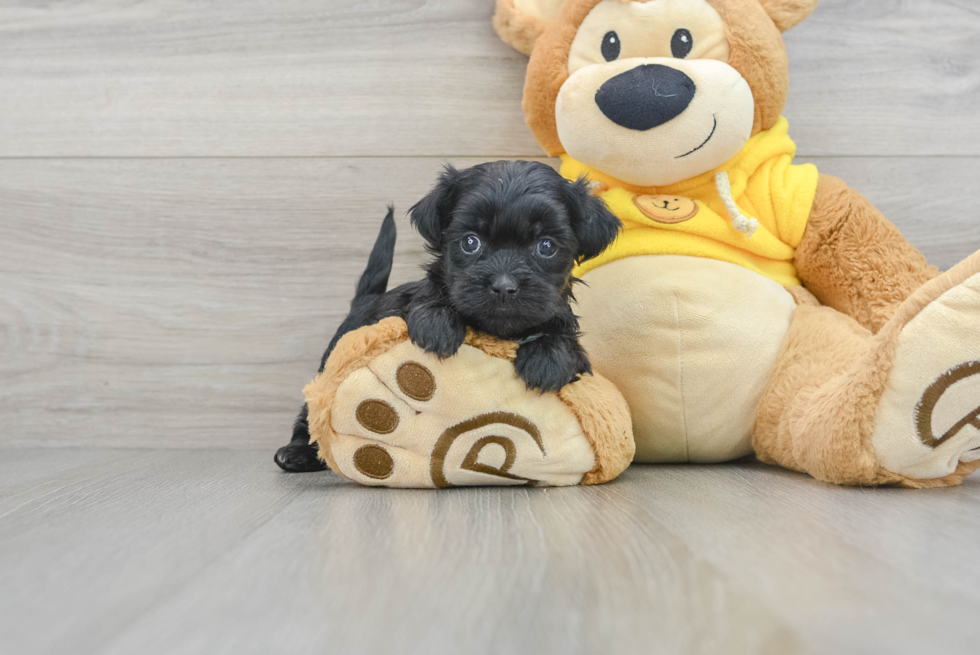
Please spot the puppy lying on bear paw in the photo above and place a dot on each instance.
(385, 412)
(504, 237)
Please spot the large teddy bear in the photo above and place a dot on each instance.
(751, 305)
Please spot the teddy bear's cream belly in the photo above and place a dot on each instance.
(691, 343)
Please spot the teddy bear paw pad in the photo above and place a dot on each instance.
(929, 416)
(408, 419)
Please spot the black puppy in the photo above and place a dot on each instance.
(504, 238)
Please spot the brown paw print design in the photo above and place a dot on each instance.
(932, 399)
(928, 420)
(407, 419)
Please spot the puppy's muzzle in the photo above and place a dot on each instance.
(645, 97)
(503, 276)
(503, 286)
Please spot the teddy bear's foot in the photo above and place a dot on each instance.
(927, 427)
(410, 420)
(400, 417)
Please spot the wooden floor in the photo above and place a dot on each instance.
(214, 551)
(188, 192)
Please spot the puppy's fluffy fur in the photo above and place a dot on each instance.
(504, 237)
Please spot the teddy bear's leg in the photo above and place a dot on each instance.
(856, 261)
(824, 365)
(901, 406)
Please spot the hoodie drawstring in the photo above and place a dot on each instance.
(743, 224)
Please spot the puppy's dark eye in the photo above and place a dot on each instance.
(547, 248)
(682, 44)
(471, 244)
(611, 46)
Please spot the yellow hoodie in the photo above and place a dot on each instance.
(690, 217)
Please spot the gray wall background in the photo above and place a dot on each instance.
(188, 192)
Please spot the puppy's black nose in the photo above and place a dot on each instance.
(646, 96)
(503, 286)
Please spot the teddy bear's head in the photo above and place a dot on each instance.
(651, 92)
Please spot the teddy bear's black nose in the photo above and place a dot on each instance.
(646, 96)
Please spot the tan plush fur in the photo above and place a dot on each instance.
(786, 14)
(518, 29)
(491, 346)
(803, 297)
(595, 402)
(604, 416)
(854, 260)
(818, 412)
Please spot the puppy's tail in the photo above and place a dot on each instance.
(374, 279)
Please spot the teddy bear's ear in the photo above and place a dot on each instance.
(520, 22)
(788, 13)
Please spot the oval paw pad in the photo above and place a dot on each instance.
(374, 462)
(416, 381)
(377, 416)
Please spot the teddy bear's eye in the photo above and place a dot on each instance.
(681, 44)
(610, 46)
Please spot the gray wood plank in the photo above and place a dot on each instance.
(149, 285)
(172, 78)
(295, 78)
(211, 551)
(187, 302)
(886, 78)
(100, 545)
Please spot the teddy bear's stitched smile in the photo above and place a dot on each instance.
(714, 128)
(634, 100)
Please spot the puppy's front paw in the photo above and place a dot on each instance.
(299, 458)
(437, 331)
(549, 366)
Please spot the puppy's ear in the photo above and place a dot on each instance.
(431, 215)
(594, 225)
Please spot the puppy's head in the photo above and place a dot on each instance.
(506, 236)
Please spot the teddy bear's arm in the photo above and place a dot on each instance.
(856, 261)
